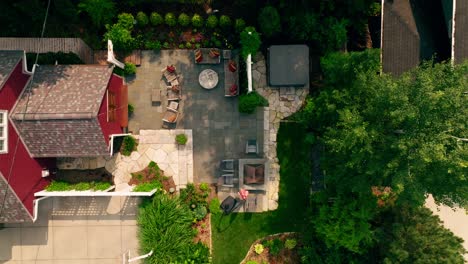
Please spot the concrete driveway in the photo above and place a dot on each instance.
(74, 230)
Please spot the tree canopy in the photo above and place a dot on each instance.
(408, 133)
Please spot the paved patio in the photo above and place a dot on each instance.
(74, 230)
(219, 130)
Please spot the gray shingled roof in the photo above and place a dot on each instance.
(461, 31)
(400, 43)
(8, 61)
(60, 119)
(64, 92)
(63, 138)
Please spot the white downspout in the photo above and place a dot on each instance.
(36, 207)
(111, 141)
(25, 65)
(135, 258)
(249, 73)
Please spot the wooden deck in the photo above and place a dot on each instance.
(75, 45)
(100, 57)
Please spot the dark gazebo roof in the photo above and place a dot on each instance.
(288, 65)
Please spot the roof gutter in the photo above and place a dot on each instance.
(36, 207)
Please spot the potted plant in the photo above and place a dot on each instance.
(181, 139)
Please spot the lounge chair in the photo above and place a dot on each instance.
(170, 76)
(170, 116)
(227, 165)
(251, 146)
(226, 180)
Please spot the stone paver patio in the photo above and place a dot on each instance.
(219, 130)
(74, 230)
(158, 146)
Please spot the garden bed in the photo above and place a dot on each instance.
(275, 249)
(150, 178)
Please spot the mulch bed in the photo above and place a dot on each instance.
(146, 175)
(203, 228)
(284, 256)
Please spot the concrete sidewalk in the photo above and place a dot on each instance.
(81, 230)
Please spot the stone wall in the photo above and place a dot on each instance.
(13, 210)
(283, 102)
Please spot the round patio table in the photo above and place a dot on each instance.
(208, 79)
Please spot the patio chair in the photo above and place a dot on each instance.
(251, 146)
(174, 95)
(170, 116)
(227, 165)
(170, 76)
(226, 180)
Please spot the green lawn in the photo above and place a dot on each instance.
(233, 234)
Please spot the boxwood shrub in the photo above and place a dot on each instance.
(212, 21)
(184, 20)
(170, 19)
(156, 19)
(249, 102)
(197, 21)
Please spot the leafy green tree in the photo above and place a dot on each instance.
(250, 41)
(407, 133)
(121, 38)
(269, 21)
(239, 25)
(100, 11)
(417, 236)
(344, 221)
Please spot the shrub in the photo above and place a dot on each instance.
(204, 187)
(258, 248)
(100, 11)
(181, 139)
(121, 38)
(166, 45)
(249, 102)
(224, 21)
(142, 19)
(129, 69)
(126, 20)
(250, 41)
(274, 246)
(184, 20)
(170, 19)
(60, 186)
(181, 46)
(153, 45)
(166, 223)
(212, 21)
(197, 253)
(192, 196)
(156, 19)
(197, 21)
(290, 243)
(131, 109)
(200, 212)
(129, 144)
(215, 206)
(239, 25)
(269, 21)
(251, 262)
(147, 186)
